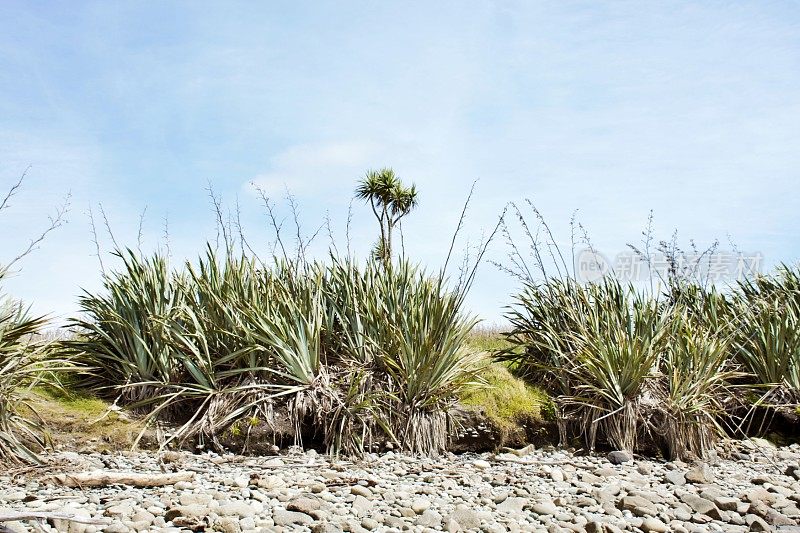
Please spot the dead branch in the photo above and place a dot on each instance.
(56, 221)
(13, 516)
(13, 190)
(102, 478)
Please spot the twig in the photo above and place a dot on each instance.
(56, 221)
(102, 478)
(139, 234)
(13, 190)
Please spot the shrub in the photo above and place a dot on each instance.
(767, 338)
(24, 362)
(626, 367)
(357, 354)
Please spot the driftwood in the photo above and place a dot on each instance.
(13, 516)
(101, 478)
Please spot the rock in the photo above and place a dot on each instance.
(637, 505)
(756, 523)
(452, 526)
(464, 517)
(701, 474)
(675, 478)
(235, 508)
(282, 517)
(429, 519)
(227, 524)
(700, 505)
(618, 457)
(512, 505)
(361, 506)
(369, 524)
(325, 527)
(726, 504)
(772, 516)
(480, 464)
(544, 508)
(420, 505)
(303, 504)
(653, 525)
(359, 490)
(605, 472)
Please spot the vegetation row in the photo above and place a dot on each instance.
(359, 354)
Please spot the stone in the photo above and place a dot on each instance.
(480, 464)
(653, 525)
(359, 490)
(756, 523)
(675, 477)
(619, 457)
(325, 527)
(544, 508)
(452, 526)
(369, 523)
(429, 519)
(512, 505)
(637, 505)
(361, 506)
(227, 524)
(303, 504)
(420, 505)
(726, 504)
(464, 517)
(701, 474)
(700, 505)
(235, 508)
(282, 517)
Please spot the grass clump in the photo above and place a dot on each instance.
(489, 340)
(508, 400)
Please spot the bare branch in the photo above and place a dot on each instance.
(220, 222)
(140, 233)
(330, 232)
(347, 227)
(56, 221)
(95, 240)
(166, 235)
(273, 220)
(14, 189)
(108, 227)
(460, 225)
(242, 240)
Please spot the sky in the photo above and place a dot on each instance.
(614, 109)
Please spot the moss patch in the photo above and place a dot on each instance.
(80, 422)
(508, 401)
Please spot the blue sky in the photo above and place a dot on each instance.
(691, 109)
